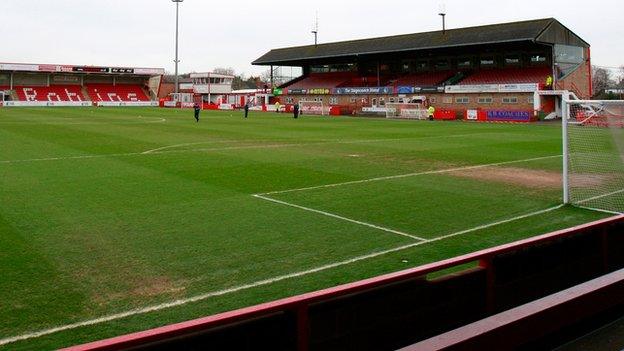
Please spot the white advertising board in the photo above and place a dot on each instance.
(127, 103)
(472, 115)
(492, 88)
(47, 103)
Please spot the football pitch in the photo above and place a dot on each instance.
(118, 220)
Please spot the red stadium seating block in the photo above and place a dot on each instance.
(51, 93)
(120, 92)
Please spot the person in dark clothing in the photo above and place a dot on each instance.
(246, 108)
(197, 109)
(296, 111)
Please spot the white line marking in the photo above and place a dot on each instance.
(193, 144)
(601, 196)
(448, 170)
(600, 210)
(328, 214)
(152, 152)
(61, 123)
(202, 297)
(269, 146)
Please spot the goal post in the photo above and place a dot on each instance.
(593, 154)
(313, 108)
(406, 111)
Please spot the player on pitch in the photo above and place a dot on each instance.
(197, 109)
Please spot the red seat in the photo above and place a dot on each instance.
(120, 92)
(509, 76)
(321, 81)
(51, 93)
(424, 79)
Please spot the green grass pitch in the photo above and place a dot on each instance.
(107, 212)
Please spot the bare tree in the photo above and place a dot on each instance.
(227, 71)
(601, 80)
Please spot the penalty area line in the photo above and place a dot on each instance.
(332, 215)
(407, 175)
(264, 282)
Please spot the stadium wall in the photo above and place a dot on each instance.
(401, 308)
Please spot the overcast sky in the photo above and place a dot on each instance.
(140, 33)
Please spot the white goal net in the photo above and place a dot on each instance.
(313, 108)
(406, 111)
(594, 154)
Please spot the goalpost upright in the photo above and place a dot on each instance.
(593, 153)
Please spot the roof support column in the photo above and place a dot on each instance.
(378, 74)
(272, 87)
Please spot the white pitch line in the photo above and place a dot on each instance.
(193, 144)
(206, 296)
(328, 214)
(600, 210)
(601, 196)
(269, 146)
(448, 170)
(152, 152)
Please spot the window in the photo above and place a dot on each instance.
(392, 100)
(447, 100)
(374, 101)
(333, 101)
(510, 100)
(353, 100)
(485, 100)
(289, 100)
(432, 100)
(462, 100)
(382, 101)
(531, 100)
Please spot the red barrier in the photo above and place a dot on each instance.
(210, 106)
(534, 321)
(491, 262)
(445, 115)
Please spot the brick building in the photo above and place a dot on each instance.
(491, 68)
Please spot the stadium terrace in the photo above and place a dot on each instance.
(70, 85)
(487, 72)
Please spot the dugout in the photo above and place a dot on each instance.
(494, 68)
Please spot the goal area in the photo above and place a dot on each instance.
(313, 108)
(593, 149)
(406, 111)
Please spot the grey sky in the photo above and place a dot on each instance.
(233, 33)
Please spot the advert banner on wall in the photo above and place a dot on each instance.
(364, 91)
(511, 116)
(298, 91)
(493, 88)
(472, 115)
(319, 91)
